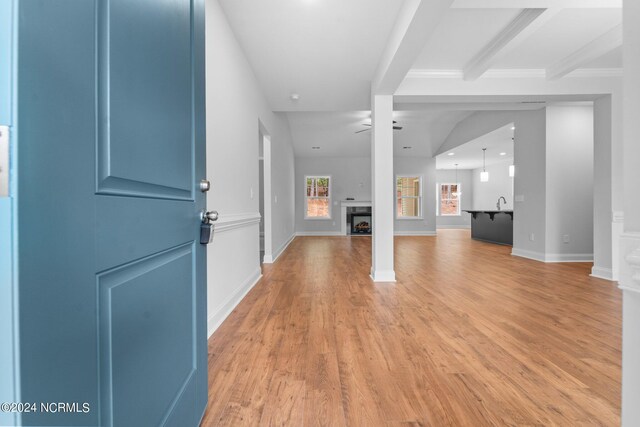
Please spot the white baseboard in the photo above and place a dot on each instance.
(414, 233)
(536, 256)
(383, 275)
(319, 233)
(551, 258)
(215, 319)
(602, 273)
(568, 258)
(281, 249)
(453, 227)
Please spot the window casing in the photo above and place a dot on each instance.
(449, 199)
(408, 197)
(317, 200)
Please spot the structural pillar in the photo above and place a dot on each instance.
(382, 269)
(630, 240)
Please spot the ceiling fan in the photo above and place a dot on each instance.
(369, 127)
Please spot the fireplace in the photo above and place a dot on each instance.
(361, 224)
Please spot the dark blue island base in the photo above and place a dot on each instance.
(492, 226)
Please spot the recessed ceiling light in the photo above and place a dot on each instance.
(295, 96)
(407, 148)
(450, 154)
(513, 128)
(503, 154)
(315, 148)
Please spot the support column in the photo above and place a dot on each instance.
(382, 189)
(630, 241)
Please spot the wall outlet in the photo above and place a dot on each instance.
(565, 238)
(532, 237)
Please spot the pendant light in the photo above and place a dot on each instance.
(484, 175)
(457, 193)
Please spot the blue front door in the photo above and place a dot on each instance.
(111, 275)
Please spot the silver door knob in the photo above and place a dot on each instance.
(209, 216)
(205, 185)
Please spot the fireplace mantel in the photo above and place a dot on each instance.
(344, 204)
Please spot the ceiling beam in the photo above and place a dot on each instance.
(612, 39)
(518, 30)
(536, 4)
(415, 24)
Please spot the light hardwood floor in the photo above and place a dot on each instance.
(469, 335)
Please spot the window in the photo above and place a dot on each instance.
(318, 197)
(408, 196)
(449, 199)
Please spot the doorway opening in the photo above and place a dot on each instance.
(264, 199)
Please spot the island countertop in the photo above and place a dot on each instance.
(490, 226)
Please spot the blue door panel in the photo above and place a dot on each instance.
(146, 117)
(163, 223)
(146, 337)
(112, 284)
(56, 127)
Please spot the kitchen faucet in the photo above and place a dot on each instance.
(498, 204)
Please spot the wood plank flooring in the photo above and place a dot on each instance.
(468, 336)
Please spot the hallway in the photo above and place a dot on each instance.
(469, 335)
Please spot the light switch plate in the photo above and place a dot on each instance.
(4, 161)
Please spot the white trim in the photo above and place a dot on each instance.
(268, 195)
(280, 250)
(596, 72)
(414, 233)
(522, 253)
(617, 217)
(602, 273)
(220, 313)
(551, 258)
(453, 227)
(318, 233)
(515, 73)
(233, 221)
(630, 262)
(383, 276)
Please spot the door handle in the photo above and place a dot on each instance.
(209, 216)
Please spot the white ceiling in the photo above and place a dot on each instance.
(460, 35)
(325, 50)
(464, 32)
(469, 155)
(335, 132)
(567, 32)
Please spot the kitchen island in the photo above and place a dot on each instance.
(492, 226)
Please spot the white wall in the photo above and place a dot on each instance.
(569, 182)
(350, 177)
(630, 241)
(425, 167)
(235, 106)
(466, 200)
(485, 194)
